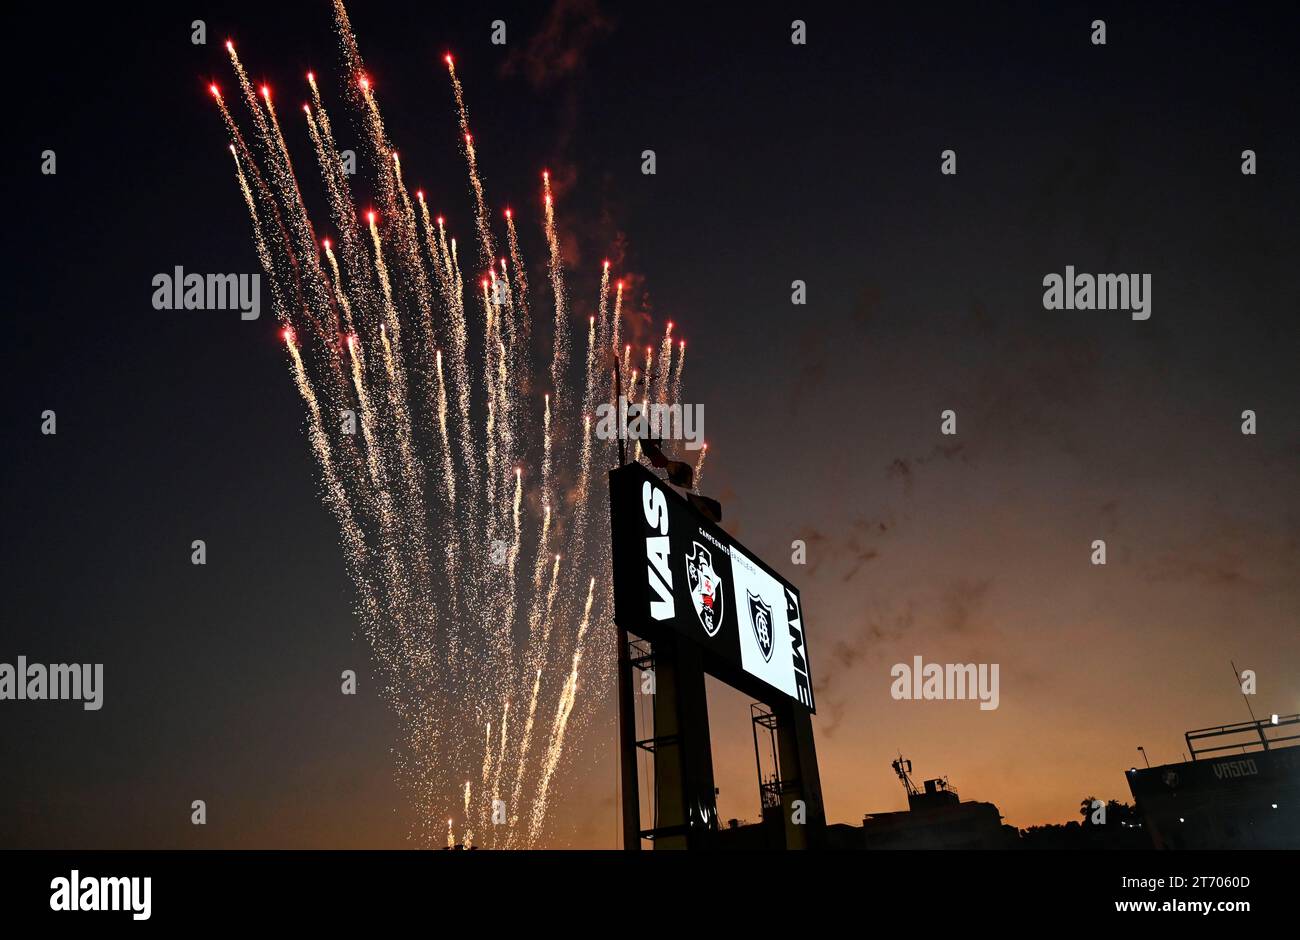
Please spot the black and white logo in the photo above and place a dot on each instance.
(760, 618)
(705, 586)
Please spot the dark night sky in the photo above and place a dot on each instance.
(775, 162)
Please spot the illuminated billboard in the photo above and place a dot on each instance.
(675, 570)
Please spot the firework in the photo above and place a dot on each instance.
(376, 325)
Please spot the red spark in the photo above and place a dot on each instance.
(326, 243)
(216, 92)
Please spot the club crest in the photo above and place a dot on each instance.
(703, 581)
(760, 618)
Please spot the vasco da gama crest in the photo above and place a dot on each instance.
(760, 618)
(706, 594)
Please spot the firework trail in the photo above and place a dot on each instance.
(339, 295)
(391, 321)
(489, 372)
(500, 762)
(286, 191)
(335, 495)
(512, 558)
(699, 464)
(250, 97)
(562, 712)
(676, 391)
(602, 310)
(617, 318)
(590, 382)
(454, 301)
(523, 756)
(415, 267)
(547, 490)
(448, 468)
(487, 763)
(378, 329)
(560, 354)
(521, 274)
(646, 382)
(455, 267)
(486, 243)
(469, 830)
(259, 241)
(367, 417)
(341, 211)
(665, 363)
